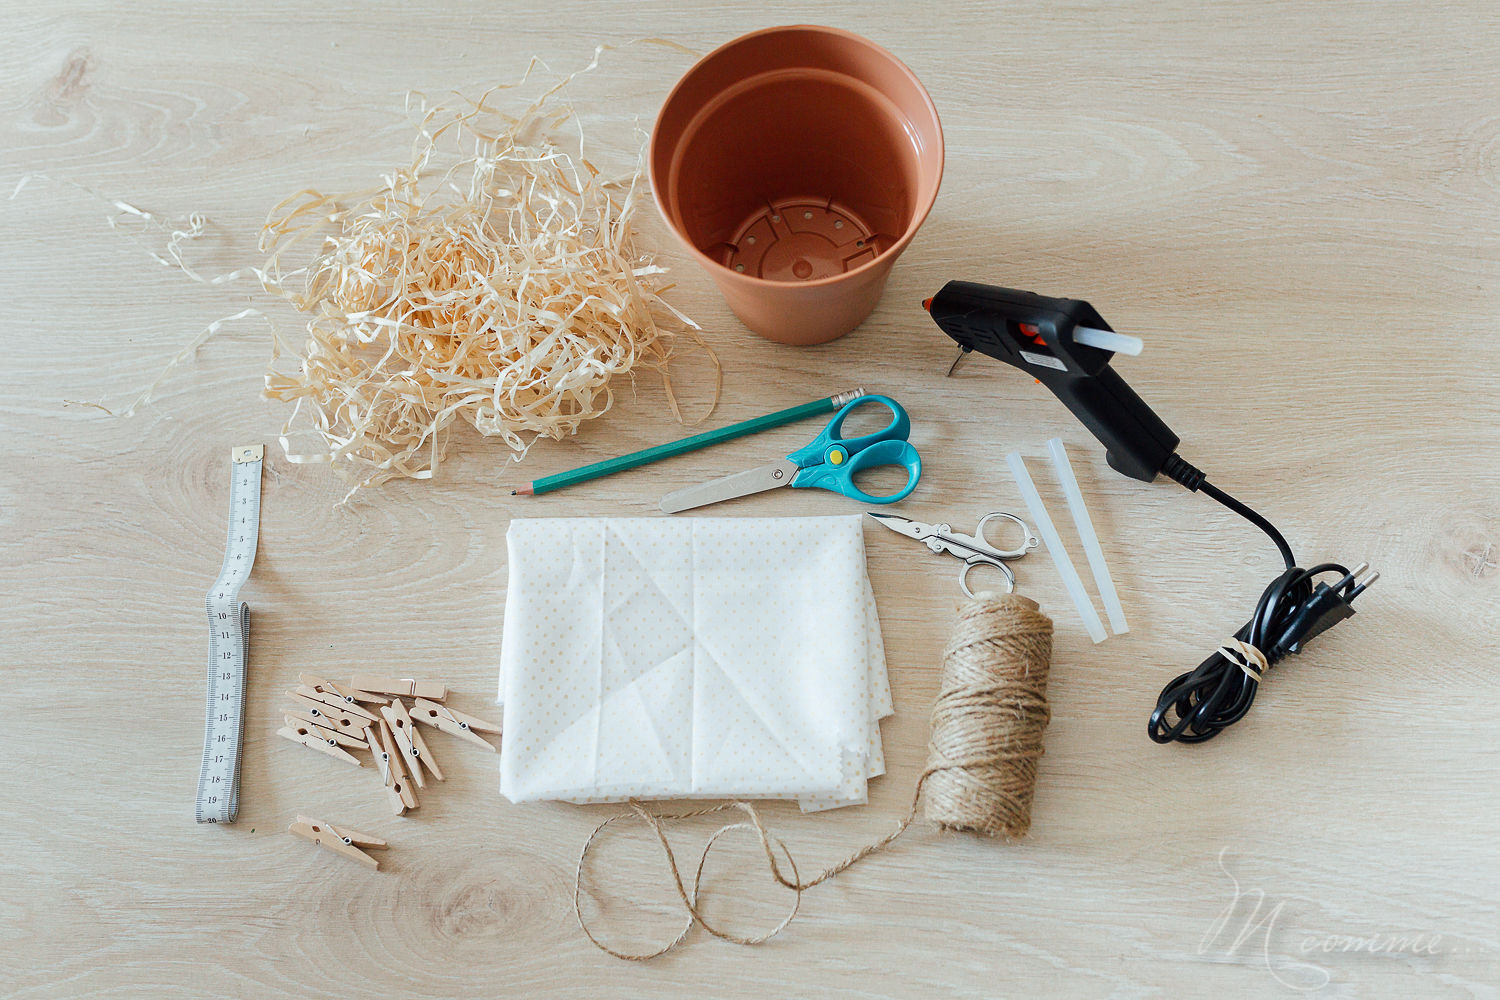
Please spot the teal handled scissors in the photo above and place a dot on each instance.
(829, 462)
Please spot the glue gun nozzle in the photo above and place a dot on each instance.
(927, 303)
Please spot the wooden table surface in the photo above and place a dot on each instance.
(1295, 202)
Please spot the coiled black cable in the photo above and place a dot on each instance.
(1198, 705)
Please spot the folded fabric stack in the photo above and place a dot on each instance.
(664, 658)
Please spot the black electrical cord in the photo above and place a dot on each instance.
(1198, 705)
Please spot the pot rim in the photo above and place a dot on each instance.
(716, 269)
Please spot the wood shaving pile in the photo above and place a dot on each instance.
(496, 279)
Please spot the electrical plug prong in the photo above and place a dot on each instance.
(1360, 585)
(1349, 577)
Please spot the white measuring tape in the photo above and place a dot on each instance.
(229, 644)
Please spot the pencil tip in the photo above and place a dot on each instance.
(512, 492)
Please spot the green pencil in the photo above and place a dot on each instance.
(754, 425)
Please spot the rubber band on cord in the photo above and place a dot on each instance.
(1245, 656)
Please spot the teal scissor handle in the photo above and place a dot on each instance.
(840, 478)
(815, 453)
(830, 461)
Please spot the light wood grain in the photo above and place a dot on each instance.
(1297, 203)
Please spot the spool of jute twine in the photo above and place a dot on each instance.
(980, 777)
(989, 716)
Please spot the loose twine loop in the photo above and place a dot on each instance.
(987, 725)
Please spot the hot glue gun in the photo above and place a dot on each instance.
(1066, 346)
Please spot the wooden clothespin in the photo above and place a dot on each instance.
(453, 722)
(383, 762)
(332, 716)
(397, 782)
(339, 839)
(320, 739)
(403, 687)
(370, 697)
(342, 737)
(410, 742)
(328, 694)
(326, 687)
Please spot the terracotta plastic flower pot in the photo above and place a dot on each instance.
(797, 163)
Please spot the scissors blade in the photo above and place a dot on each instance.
(767, 477)
(903, 525)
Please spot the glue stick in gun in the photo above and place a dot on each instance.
(1066, 346)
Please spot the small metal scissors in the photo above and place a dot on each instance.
(974, 550)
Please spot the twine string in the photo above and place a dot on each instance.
(988, 719)
(987, 725)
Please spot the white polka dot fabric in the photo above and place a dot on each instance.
(691, 657)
